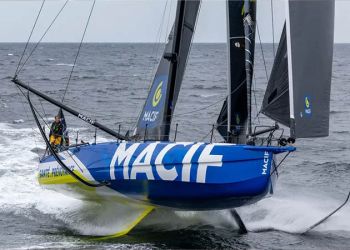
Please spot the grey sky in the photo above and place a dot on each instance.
(137, 21)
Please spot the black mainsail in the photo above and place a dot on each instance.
(276, 99)
(234, 118)
(155, 119)
(302, 74)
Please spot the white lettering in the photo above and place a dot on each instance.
(165, 174)
(207, 160)
(150, 116)
(142, 163)
(87, 119)
(186, 162)
(266, 162)
(122, 155)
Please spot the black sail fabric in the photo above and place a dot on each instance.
(311, 37)
(237, 78)
(155, 118)
(276, 99)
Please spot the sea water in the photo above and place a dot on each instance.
(110, 83)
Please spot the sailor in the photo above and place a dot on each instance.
(56, 132)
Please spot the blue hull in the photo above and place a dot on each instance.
(190, 176)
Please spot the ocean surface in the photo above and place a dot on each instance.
(110, 83)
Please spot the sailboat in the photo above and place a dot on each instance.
(145, 170)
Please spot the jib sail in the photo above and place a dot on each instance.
(154, 121)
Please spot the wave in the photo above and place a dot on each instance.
(199, 86)
(203, 95)
(333, 112)
(65, 64)
(18, 121)
(341, 132)
(7, 78)
(43, 79)
(295, 214)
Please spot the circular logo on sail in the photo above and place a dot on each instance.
(157, 95)
(307, 106)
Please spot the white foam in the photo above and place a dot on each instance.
(295, 214)
(18, 121)
(65, 64)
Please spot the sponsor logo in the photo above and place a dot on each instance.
(157, 95)
(266, 163)
(87, 119)
(307, 110)
(162, 161)
(150, 116)
(154, 106)
(52, 172)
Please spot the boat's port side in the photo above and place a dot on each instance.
(195, 176)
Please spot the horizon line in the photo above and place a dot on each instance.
(3, 42)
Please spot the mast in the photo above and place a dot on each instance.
(174, 60)
(232, 123)
(249, 32)
(229, 89)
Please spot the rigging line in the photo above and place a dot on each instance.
(155, 50)
(30, 36)
(204, 107)
(42, 37)
(158, 41)
(279, 164)
(273, 28)
(79, 48)
(214, 103)
(205, 136)
(167, 26)
(56, 156)
(47, 125)
(255, 100)
(328, 216)
(262, 52)
(25, 111)
(42, 107)
(22, 102)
